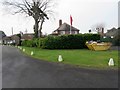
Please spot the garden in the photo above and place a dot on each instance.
(77, 57)
(73, 50)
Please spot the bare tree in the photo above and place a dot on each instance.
(38, 9)
(98, 27)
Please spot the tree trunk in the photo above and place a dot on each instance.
(36, 28)
(40, 33)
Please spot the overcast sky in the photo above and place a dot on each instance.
(85, 14)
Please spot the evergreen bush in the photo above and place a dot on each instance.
(62, 42)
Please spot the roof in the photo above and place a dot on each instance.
(112, 32)
(15, 37)
(66, 26)
(27, 36)
(7, 38)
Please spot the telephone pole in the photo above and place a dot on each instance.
(12, 30)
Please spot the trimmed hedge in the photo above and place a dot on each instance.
(62, 42)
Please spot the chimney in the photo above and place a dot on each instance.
(60, 22)
(102, 31)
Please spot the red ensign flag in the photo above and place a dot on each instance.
(71, 20)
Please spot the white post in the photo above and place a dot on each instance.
(23, 50)
(111, 62)
(32, 53)
(60, 59)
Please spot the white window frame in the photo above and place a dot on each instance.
(76, 32)
(62, 32)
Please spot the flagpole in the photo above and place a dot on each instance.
(70, 29)
(71, 24)
(12, 30)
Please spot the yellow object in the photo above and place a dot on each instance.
(98, 46)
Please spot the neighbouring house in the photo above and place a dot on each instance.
(17, 38)
(65, 29)
(112, 33)
(28, 36)
(14, 39)
(2, 35)
(7, 40)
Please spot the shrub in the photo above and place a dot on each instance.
(68, 41)
(48, 42)
(27, 43)
(62, 42)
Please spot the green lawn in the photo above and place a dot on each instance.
(79, 57)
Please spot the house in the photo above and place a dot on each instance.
(17, 38)
(14, 39)
(112, 33)
(28, 36)
(7, 40)
(65, 29)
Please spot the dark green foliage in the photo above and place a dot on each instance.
(27, 43)
(62, 42)
(115, 41)
(19, 35)
(107, 39)
(33, 43)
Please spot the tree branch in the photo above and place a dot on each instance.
(38, 9)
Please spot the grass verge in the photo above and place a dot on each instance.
(82, 58)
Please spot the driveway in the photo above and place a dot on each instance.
(20, 71)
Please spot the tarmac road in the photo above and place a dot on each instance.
(20, 71)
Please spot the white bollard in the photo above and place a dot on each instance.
(20, 48)
(23, 50)
(32, 53)
(111, 62)
(60, 59)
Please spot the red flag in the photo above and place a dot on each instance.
(71, 20)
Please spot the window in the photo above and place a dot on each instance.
(76, 32)
(62, 32)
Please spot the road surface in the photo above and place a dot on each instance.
(21, 71)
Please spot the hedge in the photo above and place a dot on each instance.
(62, 42)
